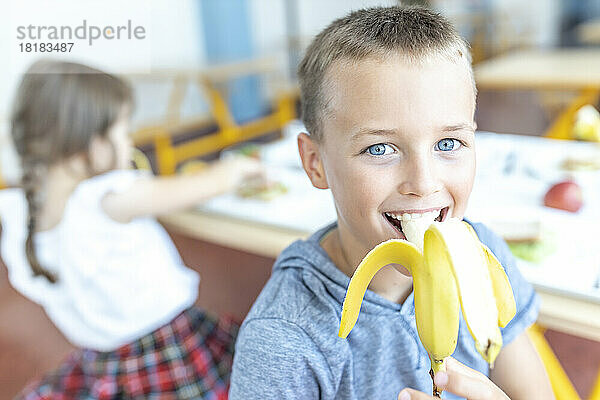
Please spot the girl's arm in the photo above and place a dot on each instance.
(162, 195)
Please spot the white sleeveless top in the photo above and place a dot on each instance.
(117, 281)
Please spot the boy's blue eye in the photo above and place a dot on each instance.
(446, 144)
(379, 149)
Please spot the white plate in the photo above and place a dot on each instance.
(303, 207)
(575, 263)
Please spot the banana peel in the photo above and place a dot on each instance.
(454, 271)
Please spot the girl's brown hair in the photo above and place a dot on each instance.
(59, 108)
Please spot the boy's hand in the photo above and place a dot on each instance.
(462, 381)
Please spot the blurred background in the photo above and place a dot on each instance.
(215, 75)
(199, 37)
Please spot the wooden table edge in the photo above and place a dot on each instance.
(558, 311)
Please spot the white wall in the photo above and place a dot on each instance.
(316, 14)
(173, 35)
(536, 20)
(540, 17)
(268, 18)
(173, 40)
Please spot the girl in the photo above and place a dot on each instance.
(80, 240)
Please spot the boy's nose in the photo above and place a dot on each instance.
(419, 179)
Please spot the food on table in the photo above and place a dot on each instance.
(526, 239)
(261, 189)
(534, 251)
(516, 230)
(246, 149)
(582, 164)
(587, 124)
(565, 195)
(452, 270)
(140, 160)
(192, 166)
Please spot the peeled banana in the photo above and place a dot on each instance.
(451, 270)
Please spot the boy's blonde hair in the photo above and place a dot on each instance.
(415, 33)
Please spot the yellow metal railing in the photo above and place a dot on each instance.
(595, 393)
(561, 384)
(3, 183)
(562, 127)
(228, 133)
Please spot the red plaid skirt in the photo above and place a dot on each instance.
(189, 358)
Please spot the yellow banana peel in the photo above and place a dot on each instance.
(453, 271)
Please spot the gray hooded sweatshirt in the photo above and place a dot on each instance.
(288, 347)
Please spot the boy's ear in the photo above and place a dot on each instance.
(311, 161)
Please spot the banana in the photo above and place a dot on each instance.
(452, 270)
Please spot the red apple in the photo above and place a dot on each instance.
(564, 196)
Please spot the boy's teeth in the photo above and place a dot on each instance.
(409, 217)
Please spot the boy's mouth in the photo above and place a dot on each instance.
(394, 218)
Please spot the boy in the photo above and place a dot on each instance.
(388, 98)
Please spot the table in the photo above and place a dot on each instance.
(252, 237)
(561, 311)
(571, 69)
(512, 176)
(225, 222)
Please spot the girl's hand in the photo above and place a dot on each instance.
(462, 381)
(161, 195)
(237, 169)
